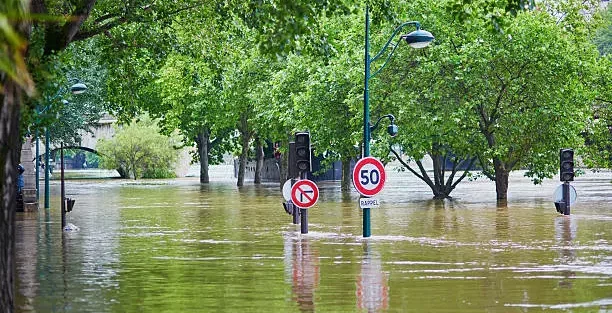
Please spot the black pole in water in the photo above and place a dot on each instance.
(296, 211)
(63, 190)
(304, 212)
(566, 198)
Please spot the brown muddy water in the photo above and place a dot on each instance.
(177, 246)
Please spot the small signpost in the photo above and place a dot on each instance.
(369, 179)
(304, 193)
(368, 203)
(300, 194)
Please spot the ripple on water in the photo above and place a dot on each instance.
(601, 303)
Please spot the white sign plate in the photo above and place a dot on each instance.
(558, 194)
(368, 203)
(287, 190)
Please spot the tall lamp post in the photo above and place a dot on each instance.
(416, 39)
(76, 89)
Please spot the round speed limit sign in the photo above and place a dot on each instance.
(369, 176)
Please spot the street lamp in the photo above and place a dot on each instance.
(416, 39)
(75, 89)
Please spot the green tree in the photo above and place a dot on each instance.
(189, 86)
(330, 108)
(64, 22)
(598, 152)
(417, 88)
(603, 38)
(332, 103)
(190, 103)
(240, 81)
(275, 108)
(15, 81)
(138, 150)
(500, 78)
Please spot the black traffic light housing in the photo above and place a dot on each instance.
(69, 204)
(302, 152)
(566, 157)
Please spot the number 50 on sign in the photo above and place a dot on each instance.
(369, 176)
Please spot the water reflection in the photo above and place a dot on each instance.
(372, 283)
(445, 217)
(26, 236)
(302, 267)
(565, 233)
(179, 246)
(502, 224)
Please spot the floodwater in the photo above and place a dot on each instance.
(176, 246)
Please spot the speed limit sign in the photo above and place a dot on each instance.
(369, 176)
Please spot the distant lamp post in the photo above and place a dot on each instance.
(416, 39)
(75, 89)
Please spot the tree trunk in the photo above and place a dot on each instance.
(10, 150)
(202, 145)
(284, 165)
(259, 157)
(242, 160)
(501, 180)
(345, 185)
(123, 173)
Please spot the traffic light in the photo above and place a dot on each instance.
(69, 204)
(302, 152)
(567, 164)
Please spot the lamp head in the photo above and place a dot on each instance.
(392, 130)
(418, 38)
(78, 88)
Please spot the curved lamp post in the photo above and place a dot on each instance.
(416, 39)
(75, 89)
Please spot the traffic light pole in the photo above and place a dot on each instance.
(296, 212)
(566, 174)
(62, 188)
(566, 198)
(304, 212)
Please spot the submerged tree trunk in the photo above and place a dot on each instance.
(242, 161)
(259, 157)
(202, 141)
(245, 136)
(501, 180)
(10, 150)
(284, 164)
(345, 185)
(441, 186)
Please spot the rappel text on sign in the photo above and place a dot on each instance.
(368, 203)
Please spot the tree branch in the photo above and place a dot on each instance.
(406, 164)
(81, 13)
(467, 170)
(101, 29)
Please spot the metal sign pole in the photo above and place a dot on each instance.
(296, 212)
(304, 212)
(566, 197)
(63, 190)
